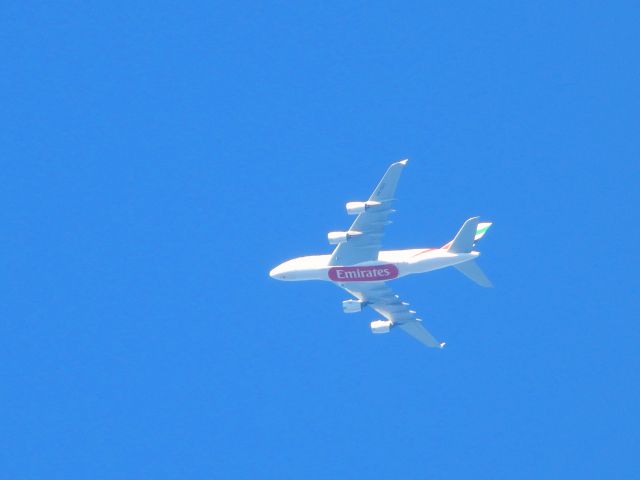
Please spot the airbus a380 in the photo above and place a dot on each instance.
(359, 266)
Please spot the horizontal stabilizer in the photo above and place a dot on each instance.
(472, 271)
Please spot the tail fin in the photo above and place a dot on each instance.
(461, 243)
(472, 271)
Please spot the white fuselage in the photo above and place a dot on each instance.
(391, 264)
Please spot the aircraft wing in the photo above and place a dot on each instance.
(370, 223)
(381, 298)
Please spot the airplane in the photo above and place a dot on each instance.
(359, 266)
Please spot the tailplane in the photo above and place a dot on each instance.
(473, 272)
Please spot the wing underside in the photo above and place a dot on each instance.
(381, 298)
(370, 224)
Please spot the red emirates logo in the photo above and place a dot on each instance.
(375, 273)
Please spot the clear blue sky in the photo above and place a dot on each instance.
(159, 158)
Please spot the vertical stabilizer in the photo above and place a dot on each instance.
(463, 242)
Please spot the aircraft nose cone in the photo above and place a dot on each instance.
(282, 272)
(276, 273)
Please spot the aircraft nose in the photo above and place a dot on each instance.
(276, 273)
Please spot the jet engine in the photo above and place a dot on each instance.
(355, 208)
(352, 306)
(340, 237)
(381, 326)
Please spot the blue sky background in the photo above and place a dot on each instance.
(158, 159)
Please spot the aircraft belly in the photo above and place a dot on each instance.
(363, 273)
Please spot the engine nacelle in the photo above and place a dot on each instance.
(352, 306)
(381, 326)
(340, 237)
(356, 208)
